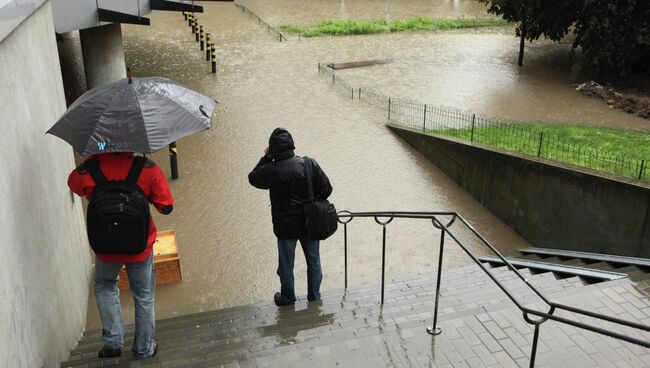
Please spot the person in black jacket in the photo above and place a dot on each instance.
(283, 173)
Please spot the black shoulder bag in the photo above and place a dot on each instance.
(321, 220)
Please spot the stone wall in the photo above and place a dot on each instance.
(45, 263)
(550, 204)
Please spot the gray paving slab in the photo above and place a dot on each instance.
(481, 328)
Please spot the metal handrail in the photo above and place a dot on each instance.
(260, 21)
(385, 217)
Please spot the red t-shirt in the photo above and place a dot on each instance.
(116, 166)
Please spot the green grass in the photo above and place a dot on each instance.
(615, 151)
(343, 27)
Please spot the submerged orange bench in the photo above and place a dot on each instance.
(165, 260)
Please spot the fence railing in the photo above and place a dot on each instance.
(269, 28)
(512, 136)
(444, 221)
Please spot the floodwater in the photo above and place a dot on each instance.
(309, 12)
(223, 225)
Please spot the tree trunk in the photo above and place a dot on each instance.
(521, 43)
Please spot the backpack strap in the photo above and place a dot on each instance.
(136, 169)
(308, 174)
(95, 172)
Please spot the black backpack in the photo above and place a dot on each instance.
(321, 220)
(118, 213)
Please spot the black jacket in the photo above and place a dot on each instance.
(285, 176)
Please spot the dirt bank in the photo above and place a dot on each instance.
(628, 102)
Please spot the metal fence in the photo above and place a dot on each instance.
(518, 137)
(269, 28)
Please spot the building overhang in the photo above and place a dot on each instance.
(13, 12)
(72, 15)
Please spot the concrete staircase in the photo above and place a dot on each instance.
(481, 328)
(637, 269)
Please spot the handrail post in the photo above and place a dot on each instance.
(435, 329)
(533, 351)
(641, 169)
(541, 140)
(383, 263)
(345, 252)
(424, 121)
(473, 121)
(389, 110)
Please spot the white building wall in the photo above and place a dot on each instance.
(45, 262)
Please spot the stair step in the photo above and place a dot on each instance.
(451, 295)
(250, 332)
(560, 269)
(635, 261)
(571, 262)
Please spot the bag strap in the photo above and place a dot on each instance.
(136, 169)
(95, 172)
(308, 174)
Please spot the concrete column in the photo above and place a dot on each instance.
(72, 66)
(103, 54)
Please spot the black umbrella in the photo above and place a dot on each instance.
(139, 115)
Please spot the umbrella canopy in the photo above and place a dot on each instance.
(142, 115)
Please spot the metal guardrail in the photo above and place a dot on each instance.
(509, 135)
(269, 28)
(587, 273)
(596, 257)
(531, 316)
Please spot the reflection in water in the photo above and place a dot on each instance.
(289, 322)
(435, 352)
(227, 248)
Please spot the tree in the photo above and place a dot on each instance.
(614, 35)
(550, 18)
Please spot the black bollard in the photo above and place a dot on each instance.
(196, 30)
(201, 38)
(185, 15)
(214, 58)
(173, 160)
(207, 46)
(190, 19)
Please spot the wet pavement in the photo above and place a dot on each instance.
(480, 328)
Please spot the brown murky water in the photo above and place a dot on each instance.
(223, 224)
(308, 12)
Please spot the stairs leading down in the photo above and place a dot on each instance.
(480, 327)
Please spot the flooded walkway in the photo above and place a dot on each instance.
(223, 225)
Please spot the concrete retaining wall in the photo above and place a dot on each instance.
(45, 262)
(549, 204)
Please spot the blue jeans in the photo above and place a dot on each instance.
(286, 256)
(142, 279)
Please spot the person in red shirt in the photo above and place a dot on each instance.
(142, 278)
